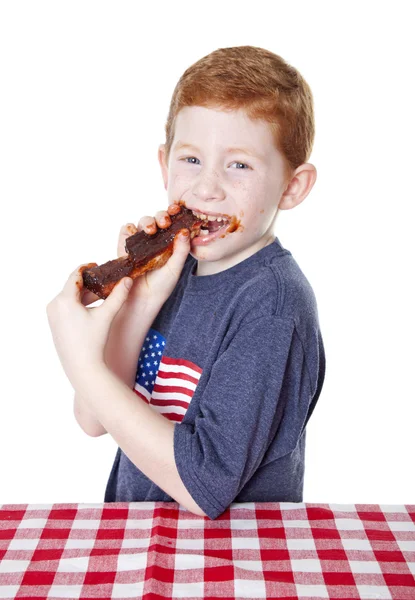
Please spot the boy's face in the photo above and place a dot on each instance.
(211, 179)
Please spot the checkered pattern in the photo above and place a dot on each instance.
(158, 550)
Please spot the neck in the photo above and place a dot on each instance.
(211, 268)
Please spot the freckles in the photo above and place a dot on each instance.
(251, 203)
(180, 183)
(177, 178)
(239, 185)
(178, 174)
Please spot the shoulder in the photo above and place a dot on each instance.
(297, 298)
(277, 287)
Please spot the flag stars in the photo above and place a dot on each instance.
(149, 361)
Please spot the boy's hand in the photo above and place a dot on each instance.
(154, 287)
(148, 224)
(79, 333)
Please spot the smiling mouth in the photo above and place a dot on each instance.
(212, 226)
(209, 231)
(211, 223)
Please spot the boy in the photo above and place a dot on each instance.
(232, 363)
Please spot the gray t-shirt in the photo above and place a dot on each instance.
(236, 360)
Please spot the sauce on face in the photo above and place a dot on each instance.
(234, 225)
(234, 222)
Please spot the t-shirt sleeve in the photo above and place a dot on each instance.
(239, 412)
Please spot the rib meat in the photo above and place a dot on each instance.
(145, 252)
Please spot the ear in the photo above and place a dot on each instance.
(163, 164)
(299, 187)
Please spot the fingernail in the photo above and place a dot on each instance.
(128, 282)
(184, 234)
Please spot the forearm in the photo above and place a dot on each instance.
(125, 340)
(122, 350)
(145, 436)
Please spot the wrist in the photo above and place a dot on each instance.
(141, 311)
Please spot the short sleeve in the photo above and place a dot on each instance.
(239, 412)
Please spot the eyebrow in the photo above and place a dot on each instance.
(181, 145)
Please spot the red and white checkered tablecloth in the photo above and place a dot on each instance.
(158, 550)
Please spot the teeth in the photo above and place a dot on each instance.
(208, 217)
(204, 232)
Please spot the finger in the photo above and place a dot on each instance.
(181, 248)
(163, 219)
(116, 299)
(75, 283)
(126, 231)
(88, 297)
(174, 209)
(147, 224)
(130, 229)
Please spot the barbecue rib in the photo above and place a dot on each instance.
(145, 252)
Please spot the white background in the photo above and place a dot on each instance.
(85, 92)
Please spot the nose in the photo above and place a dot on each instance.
(207, 186)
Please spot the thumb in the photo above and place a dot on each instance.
(181, 249)
(117, 297)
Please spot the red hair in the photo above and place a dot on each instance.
(259, 82)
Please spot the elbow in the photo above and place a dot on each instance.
(96, 434)
(199, 512)
(89, 432)
(194, 508)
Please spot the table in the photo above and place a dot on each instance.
(158, 550)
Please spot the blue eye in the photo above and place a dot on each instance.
(191, 158)
(243, 164)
